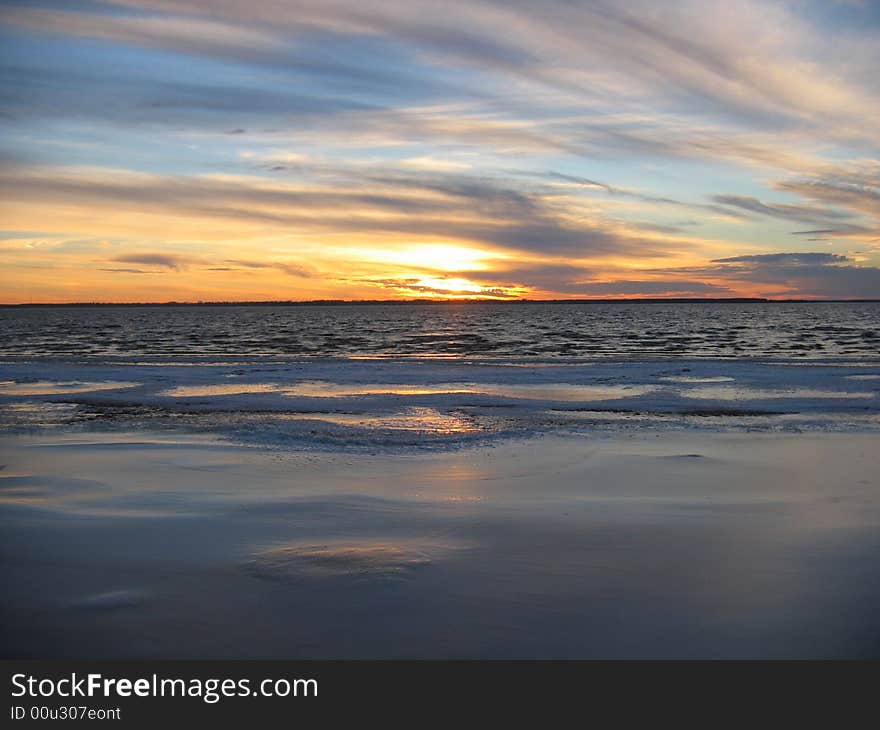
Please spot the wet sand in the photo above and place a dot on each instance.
(630, 545)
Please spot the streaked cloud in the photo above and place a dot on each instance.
(430, 207)
(287, 268)
(162, 260)
(800, 213)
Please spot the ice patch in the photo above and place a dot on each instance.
(36, 414)
(548, 391)
(743, 393)
(50, 387)
(568, 392)
(324, 389)
(426, 420)
(197, 391)
(696, 379)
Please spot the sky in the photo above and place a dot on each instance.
(240, 150)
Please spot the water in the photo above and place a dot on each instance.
(421, 376)
(584, 330)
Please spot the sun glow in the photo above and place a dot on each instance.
(433, 257)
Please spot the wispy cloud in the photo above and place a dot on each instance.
(448, 206)
(799, 213)
(286, 267)
(162, 260)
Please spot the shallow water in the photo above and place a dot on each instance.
(671, 545)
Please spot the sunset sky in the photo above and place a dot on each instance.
(157, 150)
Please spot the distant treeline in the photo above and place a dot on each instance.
(439, 302)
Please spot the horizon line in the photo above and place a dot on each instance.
(343, 302)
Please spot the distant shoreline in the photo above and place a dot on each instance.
(440, 302)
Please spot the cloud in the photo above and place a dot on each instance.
(859, 197)
(203, 34)
(446, 287)
(170, 261)
(566, 280)
(701, 62)
(30, 93)
(176, 262)
(653, 287)
(235, 40)
(286, 267)
(438, 206)
(542, 276)
(822, 234)
(798, 213)
(810, 274)
(787, 259)
(728, 56)
(798, 274)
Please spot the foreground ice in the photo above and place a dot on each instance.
(430, 404)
